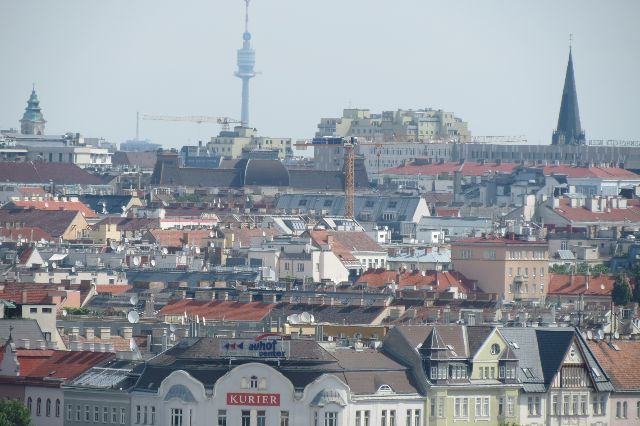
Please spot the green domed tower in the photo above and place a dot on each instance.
(32, 122)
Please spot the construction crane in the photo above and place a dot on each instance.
(188, 118)
(349, 166)
(225, 121)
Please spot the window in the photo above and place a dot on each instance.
(38, 404)
(47, 408)
(383, 418)
(29, 404)
(433, 407)
(565, 405)
(123, 416)
(621, 410)
(96, 414)
(510, 402)
(57, 408)
(574, 405)
(300, 267)
(222, 417)
(441, 407)
(262, 418)
(105, 414)
(331, 419)
(46, 310)
(78, 411)
(144, 418)
(284, 418)
(482, 406)
(638, 409)
(246, 418)
(583, 404)
(138, 414)
(254, 382)
(554, 405)
(33, 310)
(114, 415)
(176, 417)
(533, 405)
(153, 415)
(416, 418)
(500, 406)
(69, 411)
(461, 407)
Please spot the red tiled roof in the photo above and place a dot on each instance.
(345, 243)
(41, 172)
(32, 293)
(576, 285)
(621, 366)
(178, 238)
(29, 233)
(54, 364)
(28, 190)
(582, 214)
(113, 289)
(448, 212)
(54, 223)
(444, 280)
(219, 310)
(53, 205)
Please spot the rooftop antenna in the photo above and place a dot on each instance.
(246, 15)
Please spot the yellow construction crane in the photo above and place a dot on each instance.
(225, 121)
(349, 168)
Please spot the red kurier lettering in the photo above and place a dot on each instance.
(254, 399)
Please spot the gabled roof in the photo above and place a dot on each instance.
(575, 285)
(44, 173)
(52, 205)
(29, 233)
(582, 214)
(620, 359)
(437, 281)
(53, 364)
(55, 223)
(143, 160)
(20, 329)
(345, 243)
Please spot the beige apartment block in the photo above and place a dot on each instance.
(515, 268)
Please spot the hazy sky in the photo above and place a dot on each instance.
(499, 65)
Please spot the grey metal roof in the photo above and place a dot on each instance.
(566, 255)
(102, 378)
(20, 329)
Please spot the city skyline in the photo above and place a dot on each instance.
(126, 61)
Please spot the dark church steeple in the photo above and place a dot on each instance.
(569, 131)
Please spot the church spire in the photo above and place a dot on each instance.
(32, 122)
(569, 131)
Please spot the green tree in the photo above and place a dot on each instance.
(597, 270)
(14, 413)
(582, 268)
(621, 294)
(560, 269)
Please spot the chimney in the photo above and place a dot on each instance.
(41, 344)
(75, 330)
(330, 239)
(25, 343)
(105, 333)
(24, 296)
(89, 333)
(127, 332)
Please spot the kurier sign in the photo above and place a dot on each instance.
(254, 399)
(264, 346)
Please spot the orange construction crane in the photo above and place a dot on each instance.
(349, 169)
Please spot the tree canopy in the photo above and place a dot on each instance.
(621, 293)
(14, 413)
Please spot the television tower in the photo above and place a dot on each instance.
(246, 62)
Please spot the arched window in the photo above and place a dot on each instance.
(29, 403)
(47, 408)
(495, 349)
(38, 406)
(57, 408)
(254, 382)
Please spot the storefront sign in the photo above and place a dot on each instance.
(254, 399)
(267, 346)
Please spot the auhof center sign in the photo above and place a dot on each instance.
(265, 346)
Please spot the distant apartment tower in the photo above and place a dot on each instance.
(423, 125)
(514, 268)
(569, 130)
(32, 122)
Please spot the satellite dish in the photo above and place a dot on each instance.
(133, 317)
(64, 313)
(616, 335)
(305, 317)
(172, 328)
(153, 262)
(313, 319)
(136, 261)
(134, 299)
(212, 234)
(589, 335)
(46, 263)
(164, 250)
(54, 265)
(73, 269)
(602, 286)
(197, 250)
(132, 345)
(113, 246)
(600, 334)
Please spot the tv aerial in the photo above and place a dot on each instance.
(134, 300)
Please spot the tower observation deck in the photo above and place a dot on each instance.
(246, 62)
